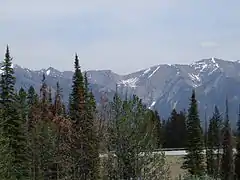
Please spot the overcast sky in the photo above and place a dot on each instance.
(121, 35)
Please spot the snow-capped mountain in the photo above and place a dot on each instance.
(161, 87)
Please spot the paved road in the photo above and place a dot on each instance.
(174, 153)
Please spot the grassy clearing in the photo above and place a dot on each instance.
(175, 163)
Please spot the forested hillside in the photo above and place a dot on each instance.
(41, 138)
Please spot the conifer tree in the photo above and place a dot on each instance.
(58, 105)
(175, 130)
(181, 129)
(194, 159)
(214, 144)
(50, 95)
(90, 110)
(171, 134)
(13, 159)
(158, 129)
(22, 100)
(227, 156)
(84, 147)
(76, 113)
(237, 156)
(62, 161)
(33, 107)
(46, 135)
(32, 96)
(33, 118)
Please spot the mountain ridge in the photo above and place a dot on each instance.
(161, 87)
(142, 69)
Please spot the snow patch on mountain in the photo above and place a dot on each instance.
(130, 82)
(147, 71)
(152, 105)
(48, 71)
(194, 77)
(175, 105)
(213, 71)
(154, 72)
(207, 65)
(213, 60)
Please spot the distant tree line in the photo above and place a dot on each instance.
(42, 139)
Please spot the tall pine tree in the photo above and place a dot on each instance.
(237, 156)
(22, 101)
(175, 130)
(93, 143)
(81, 111)
(227, 156)
(33, 118)
(13, 159)
(214, 144)
(194, 160)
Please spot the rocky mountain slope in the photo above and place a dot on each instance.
(161, 87)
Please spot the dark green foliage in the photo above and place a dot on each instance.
(76, 99)
(92, 152)
(13, 143)
(7, 81)
(58, 104)
(50, 95)
(84, 146)
(214, 144)
(227, 156)
(237, 156)
(23, 106)
(157, 133)
(175, 130)
(194, 160)
(32, 96)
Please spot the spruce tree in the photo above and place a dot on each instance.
(32, 96)
(237, 156)
(58, 104)
(181, 129)
(77, 117)
(22, 100)
(175, 130)
(84, 145)
(33, 118)
(13, 143)
(45, 136)
(50, 95)
(33, 108)
(194, 160)
(62, 161)
(171, 130)
(227, 156)
(214, 144)
(93, 143)
(157, 129)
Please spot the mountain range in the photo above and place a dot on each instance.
(161, 87)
